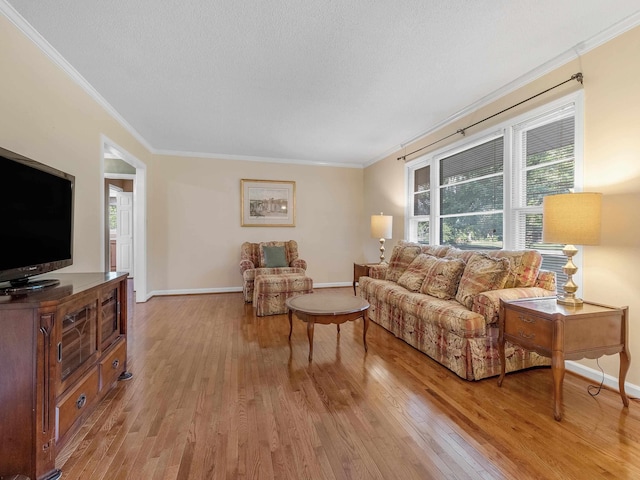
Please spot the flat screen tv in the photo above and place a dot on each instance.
(37, 222)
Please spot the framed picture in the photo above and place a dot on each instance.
(268, 203)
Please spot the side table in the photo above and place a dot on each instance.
(360, 270)
(565, 333)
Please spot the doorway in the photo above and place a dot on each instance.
(120, 212)
(124, 200)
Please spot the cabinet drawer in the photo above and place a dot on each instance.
(76, 402)
(112, 365)
(528, 329)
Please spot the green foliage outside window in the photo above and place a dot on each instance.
(113, 219)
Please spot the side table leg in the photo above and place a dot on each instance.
(557, 371)
(501, 355)
(365, 319)
(625, 356)
(310, 325)
(625, 361)
(290, 323)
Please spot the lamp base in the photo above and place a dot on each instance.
(382, 250)
(571, 301)
(570, 288)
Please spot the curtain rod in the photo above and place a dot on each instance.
(576, 76)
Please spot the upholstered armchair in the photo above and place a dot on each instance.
(263, 259)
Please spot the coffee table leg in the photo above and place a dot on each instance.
(290, 323)
(338, 325)
(365, 318)
(310, 325)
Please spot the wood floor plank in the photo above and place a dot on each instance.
(219, 393)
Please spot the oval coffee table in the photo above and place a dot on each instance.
(315, 308)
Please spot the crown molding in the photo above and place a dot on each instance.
(249, 158)
(573, 53)
(32, 34)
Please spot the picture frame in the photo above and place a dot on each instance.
(268, 203)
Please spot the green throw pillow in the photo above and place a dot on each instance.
(274, 257)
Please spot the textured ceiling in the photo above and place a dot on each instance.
(326, 81)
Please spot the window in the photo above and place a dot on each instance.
(471, 185)
(545, 164)
(486, 191)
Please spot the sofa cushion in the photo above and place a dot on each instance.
(464, 255)
(482, 273)
(415, 273)
(441, 281)
(261, 246)
(274, 256)
(524, 266)
(401, 258)
(435, 250)
(448, 315)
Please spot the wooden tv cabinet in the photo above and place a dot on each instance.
(62, 349)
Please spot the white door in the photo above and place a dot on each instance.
(124, 232)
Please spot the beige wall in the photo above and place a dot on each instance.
(47, 117)
(612, 166)
(194, 221)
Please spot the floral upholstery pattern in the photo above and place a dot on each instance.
(272, 291)
(546, 280)
(442, 279)
(252, 257)
(401, 258)
(487, 304)
(463, 339)
(524, 266)
(415, 273)
(482, 273)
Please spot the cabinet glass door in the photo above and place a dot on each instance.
(110, 318)
(79, 342)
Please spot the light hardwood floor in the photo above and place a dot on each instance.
(220, 393)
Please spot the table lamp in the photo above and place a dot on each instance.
(571, 218)
(381, 227)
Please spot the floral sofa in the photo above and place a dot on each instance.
(445, 302)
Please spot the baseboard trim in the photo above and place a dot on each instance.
(194, 291)
(611, 382)
(200, 291)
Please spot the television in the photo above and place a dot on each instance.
(36, 234)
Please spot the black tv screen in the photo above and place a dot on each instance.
(37, 218)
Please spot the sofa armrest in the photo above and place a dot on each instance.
(487, 304)
(378, 271)
(246, 265)
(299, 263)
(546, 280)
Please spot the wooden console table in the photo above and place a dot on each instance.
(63, 348)
(565, 333)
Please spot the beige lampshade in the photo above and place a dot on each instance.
(572, 218)
(381, 226)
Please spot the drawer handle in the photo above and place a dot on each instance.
(115, 364)
(527, 319)
(526, 335)
(82, 399)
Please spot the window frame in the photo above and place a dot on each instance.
(513, 169)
